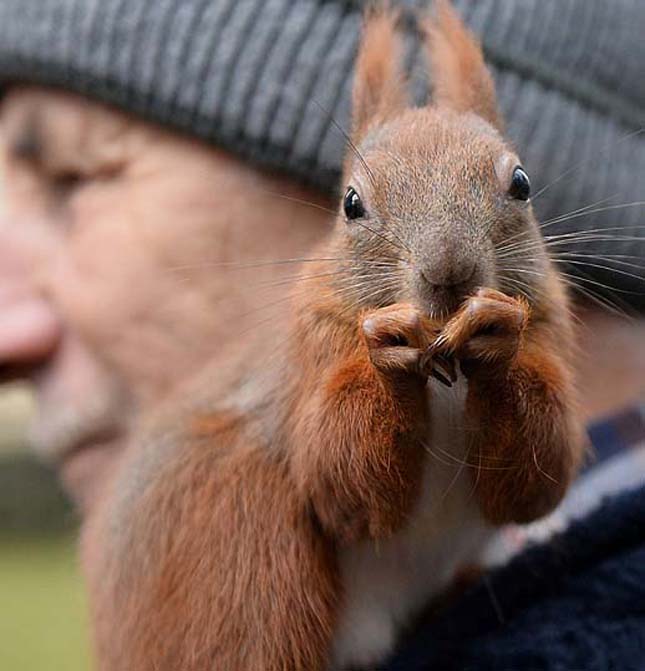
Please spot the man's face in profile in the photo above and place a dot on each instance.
(111, 283)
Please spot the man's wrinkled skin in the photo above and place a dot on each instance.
(122, 252)
(124, 266)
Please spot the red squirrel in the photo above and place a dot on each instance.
(417, 397)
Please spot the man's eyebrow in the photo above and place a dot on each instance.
(28, 143)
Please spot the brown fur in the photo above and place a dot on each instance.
(461, 80)
(524, 428)
(379, 92)
(234, 575)
(218, 548)
(357, 421)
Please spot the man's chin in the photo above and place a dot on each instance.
(86, 469)
(79, 433)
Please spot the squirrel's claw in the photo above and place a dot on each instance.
(439, 366)
(438, 376)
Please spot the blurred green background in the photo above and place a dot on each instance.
(42, 612)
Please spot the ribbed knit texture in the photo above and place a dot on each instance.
(263, 78)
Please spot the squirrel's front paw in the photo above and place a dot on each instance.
(486, 332)
(396, 338)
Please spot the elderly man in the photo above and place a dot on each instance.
(117, 258)
(159, 156)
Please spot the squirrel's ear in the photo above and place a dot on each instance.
(460, 78)
(379, 87)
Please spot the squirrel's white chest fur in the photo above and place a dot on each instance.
(387, 583)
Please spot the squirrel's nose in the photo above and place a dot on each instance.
(445, 291)
(449, 278)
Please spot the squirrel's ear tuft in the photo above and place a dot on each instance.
(460, 78)
(379, 86)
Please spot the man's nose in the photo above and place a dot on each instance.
(29, 330)
(29, 327)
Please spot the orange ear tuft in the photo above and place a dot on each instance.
(379, 87)
(461, 80)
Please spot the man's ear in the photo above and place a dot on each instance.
(379, 86)
(461, 80)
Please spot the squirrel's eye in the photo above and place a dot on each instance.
(353, 205)
(520, 188)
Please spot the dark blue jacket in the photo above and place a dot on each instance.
(575, 604)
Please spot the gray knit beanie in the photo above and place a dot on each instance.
(263, 78)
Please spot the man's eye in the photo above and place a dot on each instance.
(520, 188)
(353, 205)
(66, 183)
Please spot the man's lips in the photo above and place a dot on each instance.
(84, 467)
(91, 440)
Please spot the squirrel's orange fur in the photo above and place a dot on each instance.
(217, 546)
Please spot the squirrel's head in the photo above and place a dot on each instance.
(436, 201)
